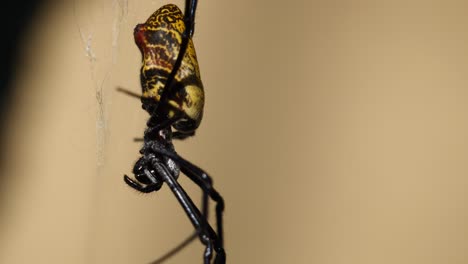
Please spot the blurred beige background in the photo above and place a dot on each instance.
(336, 131)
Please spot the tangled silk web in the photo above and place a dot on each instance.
(101, 50)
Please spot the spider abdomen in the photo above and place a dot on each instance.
(159, 40)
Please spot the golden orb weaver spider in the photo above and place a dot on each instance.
(173, 96)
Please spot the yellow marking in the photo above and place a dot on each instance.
(168, 20)
(193, 101)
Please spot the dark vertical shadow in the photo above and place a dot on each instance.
(17, 15)
(15, 18)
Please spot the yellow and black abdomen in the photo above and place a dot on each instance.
(159, 40)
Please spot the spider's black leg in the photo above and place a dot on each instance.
(202, 179)
(129, 93)
(176, 249)
(190, 8)
(189, 239)
(205, 232)
(144, 189)
(205, 182)
(189, 20)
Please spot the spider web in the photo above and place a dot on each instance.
(87, 14)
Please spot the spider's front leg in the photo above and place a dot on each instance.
(188, 240)
(146, 179)
(144, 189)
(205, 232)
(204, 181)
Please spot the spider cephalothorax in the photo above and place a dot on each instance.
(144, 171)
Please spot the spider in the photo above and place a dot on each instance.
(173, 96)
